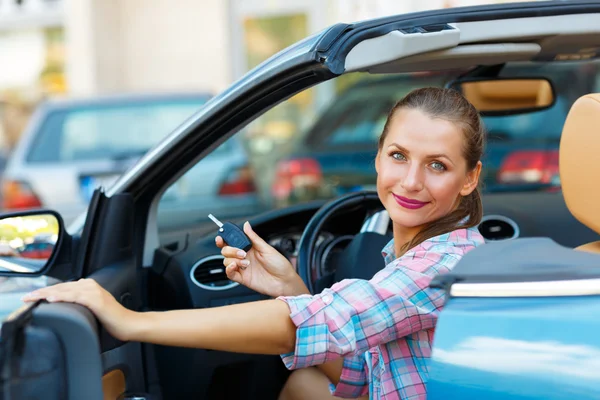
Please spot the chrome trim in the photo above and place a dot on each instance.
(502, 218)
(377, 223)
(202, 261)
(576, 287)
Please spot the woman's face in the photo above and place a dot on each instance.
(421, 170)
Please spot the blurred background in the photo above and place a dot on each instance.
(88, 86)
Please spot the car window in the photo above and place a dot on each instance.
(296, 153)
(360, 125)
(109, 131)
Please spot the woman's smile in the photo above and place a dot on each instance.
(411, 204)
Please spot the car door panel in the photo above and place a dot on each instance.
(97, 365)
(90, 351)
(77, 331)
(119, 357)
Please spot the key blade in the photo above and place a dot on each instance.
(216, 221)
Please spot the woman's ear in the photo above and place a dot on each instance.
(472, 180)
(377, 161)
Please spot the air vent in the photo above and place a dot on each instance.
(498, 227)
(209, 273)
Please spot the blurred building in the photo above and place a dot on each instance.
(31, 60)
(90, 47)
(135, 45)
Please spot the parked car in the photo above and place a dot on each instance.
(38, 249)
(520, 319)
(79, 144)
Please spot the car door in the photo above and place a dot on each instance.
(96, 365)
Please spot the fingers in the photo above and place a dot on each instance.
(257, 242)
(242, 264)
(85, 292)
(232, 252)
(50, 291)
(233, 273)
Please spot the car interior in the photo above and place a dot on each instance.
(327, 239)
(184, 269)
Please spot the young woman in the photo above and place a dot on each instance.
(367, 337)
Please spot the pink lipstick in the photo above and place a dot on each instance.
(409, 203)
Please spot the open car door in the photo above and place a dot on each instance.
(59, 351)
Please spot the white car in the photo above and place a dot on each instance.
(79, 144)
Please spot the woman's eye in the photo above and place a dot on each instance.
(438, 166)
(398, 156)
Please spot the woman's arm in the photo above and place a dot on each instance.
(262, 327)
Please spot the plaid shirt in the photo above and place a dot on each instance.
(382, 327)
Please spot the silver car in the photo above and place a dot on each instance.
(70, 147)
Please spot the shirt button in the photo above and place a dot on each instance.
(327, 299)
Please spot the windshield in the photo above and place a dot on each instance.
(112, 130)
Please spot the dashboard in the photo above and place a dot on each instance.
(192, 275)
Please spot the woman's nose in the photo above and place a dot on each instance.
(413, 181)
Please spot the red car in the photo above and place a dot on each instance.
(38, 250)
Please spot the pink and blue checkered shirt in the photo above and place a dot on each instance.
(382, 327)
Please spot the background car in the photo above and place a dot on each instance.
(72, 146)
(224, 184)
(40, 248)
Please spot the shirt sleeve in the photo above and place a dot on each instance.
(355, 315)
(354, 381)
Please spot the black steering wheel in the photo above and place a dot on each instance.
(362, 256)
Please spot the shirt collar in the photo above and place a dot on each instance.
(458, 237)
(388, 252)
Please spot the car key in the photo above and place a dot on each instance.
(232, 234)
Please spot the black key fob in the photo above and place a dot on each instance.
(232, 234)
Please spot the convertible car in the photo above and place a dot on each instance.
(520, 320)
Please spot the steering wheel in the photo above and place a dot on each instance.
(362, 257)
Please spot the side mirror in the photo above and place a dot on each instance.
(506, 96)
(29, 241)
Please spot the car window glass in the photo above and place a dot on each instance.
(108, 132)
(363, 126)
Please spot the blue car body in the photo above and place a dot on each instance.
(515, 348)
(519, 323)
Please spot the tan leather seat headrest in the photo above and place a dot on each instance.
(578, 161)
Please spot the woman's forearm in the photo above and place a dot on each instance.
(262, 327)
(295, 287)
